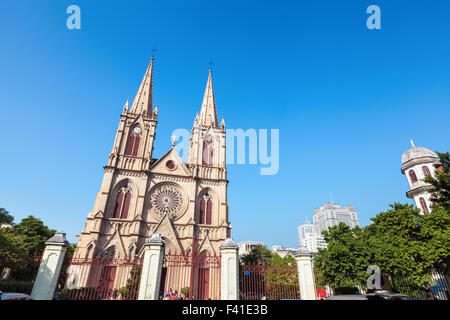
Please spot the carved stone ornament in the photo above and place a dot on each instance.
(167, 198)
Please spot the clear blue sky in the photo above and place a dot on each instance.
(346, 99)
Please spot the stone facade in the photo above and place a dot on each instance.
(184, 202)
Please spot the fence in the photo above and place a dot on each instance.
(19, 272)
(438, 290)
(259, 282)
(190, 277)
(102, 279)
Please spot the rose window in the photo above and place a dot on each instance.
(167, 199)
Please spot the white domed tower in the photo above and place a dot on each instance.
(417, 163)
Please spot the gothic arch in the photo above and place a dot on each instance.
(109, 253)
(133, 190)
(134, 139)
(207, 193)
(169, 247)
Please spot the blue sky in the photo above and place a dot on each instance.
(345, 99)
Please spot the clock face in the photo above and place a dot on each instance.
(137, 130)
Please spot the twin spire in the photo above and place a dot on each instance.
(144, 96)
(144, 99)
(208, 112)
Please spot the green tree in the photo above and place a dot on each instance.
(344, 262)
(130, 291)
(259, 255)
(406, 246)
(5, 217)
(441, 183)
(396, 245)
(34, 234)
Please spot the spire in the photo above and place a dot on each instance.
(412, 143)
(144, 96)
(208, 113)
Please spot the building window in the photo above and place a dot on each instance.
(426, 171)
(424, 205)
(205, 209)
(122, 203)
(208, 152)
(412, 176)
(133, 142)
(109, 253)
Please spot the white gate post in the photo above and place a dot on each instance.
(152, 268)
(229, 270)
(50, 267)
(305, 275)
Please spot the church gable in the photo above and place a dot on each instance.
(116, 242)
(170, 164)
(165, 229)
(206, 246)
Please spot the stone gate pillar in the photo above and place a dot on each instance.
(229, 270)
(305, 275)
(50, 267)
(152, 268)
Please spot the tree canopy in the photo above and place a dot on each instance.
(403, 243)
(441, 183)
(5, 217)
(23, 240)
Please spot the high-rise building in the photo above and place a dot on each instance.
(309, 238)
(331, 214)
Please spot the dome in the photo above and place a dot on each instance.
(417, 153)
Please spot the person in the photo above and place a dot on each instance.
(114, 293)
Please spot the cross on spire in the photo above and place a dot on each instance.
(173, 138)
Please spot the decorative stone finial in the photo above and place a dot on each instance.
(412, 143)
(59, 239)
(155, 240)
(228, 244)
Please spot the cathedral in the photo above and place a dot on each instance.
(184, 202)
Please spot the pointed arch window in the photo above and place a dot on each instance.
(133, 141)
(426, 171)
(109, 253)
(205, 209)
(412, 176)
(424, 206)
(208, 152)
(122, 203)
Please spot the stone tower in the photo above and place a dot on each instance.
(417, 163)
(184, 202)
